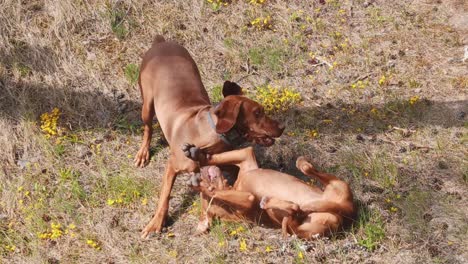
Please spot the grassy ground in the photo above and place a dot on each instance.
(384, 103)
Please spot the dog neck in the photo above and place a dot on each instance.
(233, 137)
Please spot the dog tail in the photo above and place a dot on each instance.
(158, 39)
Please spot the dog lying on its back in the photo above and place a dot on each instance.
(289, 203)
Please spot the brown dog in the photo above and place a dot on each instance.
(172, 89)
(289, 203)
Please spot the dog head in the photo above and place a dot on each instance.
(246, 116)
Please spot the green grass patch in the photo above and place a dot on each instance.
(376, 166)
(132, 71)
(216, 94)
(121, 190)
(23, 69)
(370, 229)
(118, 15)
(270, 58)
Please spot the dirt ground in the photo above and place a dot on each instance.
(383, 88)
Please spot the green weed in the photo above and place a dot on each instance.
(371, 229)
(23, 70)
(121, 190)
(229, 43)
(414, 84)
(132, 72)
(270, 58)
(118, 16)
(376, 166)
(216, 94)
(59, 150)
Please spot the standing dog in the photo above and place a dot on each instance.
(270, 197)
(172, 89)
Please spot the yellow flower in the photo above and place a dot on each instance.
(144, 201)
(313, 133)
(93, 244)
(300, 255)
(243, 245)
(173, 253)
(268, 249)
(413, 100)
(383, 80)
(10, 248)
(275, 99)
(49, 122)
(43, 235)
(261, 23)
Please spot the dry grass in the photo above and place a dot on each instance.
(362, 67)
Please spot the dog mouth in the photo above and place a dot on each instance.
(213, 173)
(265, 141)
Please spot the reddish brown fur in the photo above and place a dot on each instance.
(289, 203)
(172, 90)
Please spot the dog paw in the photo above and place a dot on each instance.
(142, 157)
(202, 227)
(264, 201)
(194, 180)
(191, 151)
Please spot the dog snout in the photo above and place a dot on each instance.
(278, 130)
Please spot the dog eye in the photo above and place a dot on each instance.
(257, 113)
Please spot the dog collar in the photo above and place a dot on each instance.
(232, 137)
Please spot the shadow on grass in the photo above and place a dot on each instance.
(357, 222)
(81, 110)
(93, 109)
(187, 201)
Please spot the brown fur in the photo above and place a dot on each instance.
(274, 198)
(172, 90)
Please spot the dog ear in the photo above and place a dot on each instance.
(227, 113)
(231, 88)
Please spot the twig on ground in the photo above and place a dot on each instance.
(404, 131)
(323, 61)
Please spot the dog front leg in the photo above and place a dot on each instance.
(157, 222)
(241, 157)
